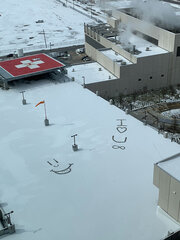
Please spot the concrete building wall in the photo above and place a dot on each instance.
(90, 51)
(134, 77)
(174, 199)
(113, 22)
(165, 38)
(169, 192)
(108, 44)
(164, 189)
(108, 88)
(106, 62)
(176, 62)
(146, 73)
(156, 175)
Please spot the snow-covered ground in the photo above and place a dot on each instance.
(172, 113)
(108, 194)
(20, 27)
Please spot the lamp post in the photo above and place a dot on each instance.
(23, 99)
(83, 77)
(74, 146)
(43, 32)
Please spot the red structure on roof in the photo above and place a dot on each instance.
(28, 66)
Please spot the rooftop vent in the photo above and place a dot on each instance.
(119, 60)
(123, 63)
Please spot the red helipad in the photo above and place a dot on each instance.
(27, 66)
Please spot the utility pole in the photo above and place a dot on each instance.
(43, 32)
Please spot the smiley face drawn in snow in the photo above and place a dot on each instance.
(56, 168)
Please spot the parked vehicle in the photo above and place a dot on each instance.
(80, 50)
(85, 59)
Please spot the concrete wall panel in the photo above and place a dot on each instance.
(164, 189)
(156, 175)
(174, 199)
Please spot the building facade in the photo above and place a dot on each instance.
(148, 59)
(167, 179)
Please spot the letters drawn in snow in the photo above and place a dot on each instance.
(121, 129)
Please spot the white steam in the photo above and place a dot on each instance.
(155, 11)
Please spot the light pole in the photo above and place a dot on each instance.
(74, 146)
(83, 77)
(51, 45)
(43, 32)
(23, 99)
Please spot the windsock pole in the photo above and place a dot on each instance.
(45, 112)
(46, 121)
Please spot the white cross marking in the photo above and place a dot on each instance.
(30, 64)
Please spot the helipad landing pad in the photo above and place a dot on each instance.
(28, 66)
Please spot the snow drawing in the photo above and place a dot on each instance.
(55, 164)
(121, 129)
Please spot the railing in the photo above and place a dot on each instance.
(42, 47)
(89, 14)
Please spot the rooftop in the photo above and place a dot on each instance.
(91, 72)
(28, 66)
(126, 40)
(108, 194)
(172, 166)
(115, 57)
(143, 48)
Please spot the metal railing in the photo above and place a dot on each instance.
(42, 47)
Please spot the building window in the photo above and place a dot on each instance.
(139, 79)
(162, 75)
(150, 77)
(178, 52)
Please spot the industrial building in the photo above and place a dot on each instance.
(148, 57)
(167, 179)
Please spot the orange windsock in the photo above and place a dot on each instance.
(39, 103)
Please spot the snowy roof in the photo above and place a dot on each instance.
(108, 194)
(115, 56)
(142, 45)
(23, 27)
(172, 166)
(90, 72)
